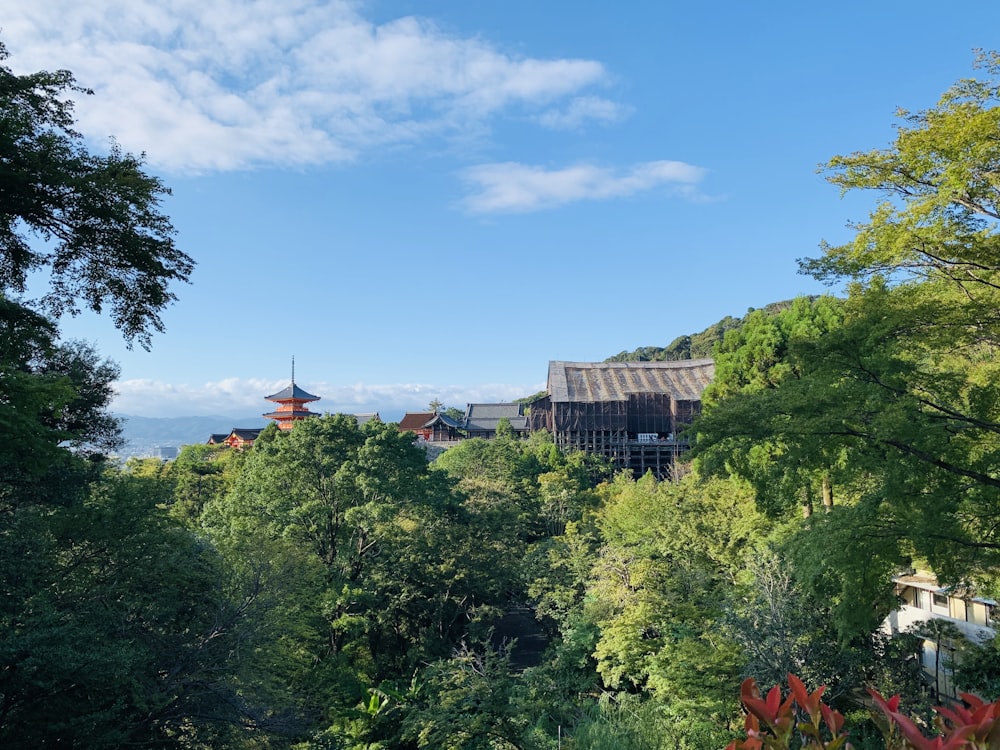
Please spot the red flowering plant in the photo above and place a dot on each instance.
(771, 723)
(972, 726)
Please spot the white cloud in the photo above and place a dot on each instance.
(512, 187)
(245, 397)
(220, 84)
(582, 110)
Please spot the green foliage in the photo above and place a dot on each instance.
(760, 353)
(469, 702)
(369, 566)
(627, 721)
(94, 654)
(532, 398)
(670, 554)
(896, 404)
(781, 627)
(199, 474)
(699, 345)
(504, 431)
(846, 560)
(977, 668)
(53, 397)
(104, 242)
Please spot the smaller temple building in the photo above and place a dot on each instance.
(481, 420)
(238, 437)
(431, 426)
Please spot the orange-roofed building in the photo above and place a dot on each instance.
(291, 405)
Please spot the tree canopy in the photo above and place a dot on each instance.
(896, 400)
(329, 588)
(92, 222)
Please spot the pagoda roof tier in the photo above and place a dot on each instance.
(292, 393)
(286, 414)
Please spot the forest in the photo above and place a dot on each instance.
(332, 589)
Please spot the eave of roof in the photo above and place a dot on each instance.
(443, 419)
(930, 583)
(290, 414)
(292, 393)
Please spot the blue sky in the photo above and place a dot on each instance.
(433, 199)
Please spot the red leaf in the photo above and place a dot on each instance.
(834, 719)
(912, 734)
(760, 709)
(798, 689)
(888, 707)
(974, 700)
(774, 700)
(749, 689)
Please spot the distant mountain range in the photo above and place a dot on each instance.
(144, 435)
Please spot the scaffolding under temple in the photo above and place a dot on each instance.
(629, 412)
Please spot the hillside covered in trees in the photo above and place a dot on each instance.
(330, 588)
(697, 345)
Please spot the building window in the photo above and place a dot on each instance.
(940, 600)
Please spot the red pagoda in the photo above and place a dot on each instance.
(291, 404)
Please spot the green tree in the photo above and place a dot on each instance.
(199, 474)
(390, 574)
(469, 701)
(899, 403)
(53, 401)
(115, 629)
(783, 627)
(977, 668)
(105, 242)
(671, 553)
(945, 636)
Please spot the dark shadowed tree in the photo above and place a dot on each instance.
(91, 222)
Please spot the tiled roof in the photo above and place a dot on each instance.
(364, 418)
(292, 392)
(445, 420)
(509, 409)
(415, 420)
(486, 416)
(684, 380)
(245, 433)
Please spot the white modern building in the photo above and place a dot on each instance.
(922, 600)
